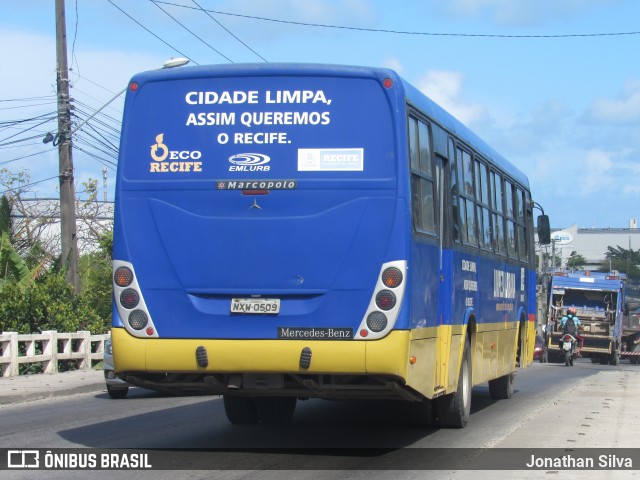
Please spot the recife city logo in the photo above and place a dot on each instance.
(249, 162)
(178, 160)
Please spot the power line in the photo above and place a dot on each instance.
(403, 32)
(29, 185)
(39, 135)
(28, 99)
(107, 163)
(191, 32)
(26, 130)
(29, 106)
(228, 31)
(23, 157)
(142, 26)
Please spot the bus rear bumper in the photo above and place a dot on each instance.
(315, 368)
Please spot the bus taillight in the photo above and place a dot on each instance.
(138, 319)
(376, 322)
(385, 300)
(392, 277)
(129, 301)
(129, 298)
(123, 277)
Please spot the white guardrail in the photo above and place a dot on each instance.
(49, 348)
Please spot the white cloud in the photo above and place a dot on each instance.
(624, 109)
(393, 63)
(521, 12)
(595, 174)
(445, 88)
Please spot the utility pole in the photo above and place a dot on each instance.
(69, 241)
(104, 183)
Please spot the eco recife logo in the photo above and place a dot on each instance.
(179, 160)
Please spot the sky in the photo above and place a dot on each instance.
(553, 85)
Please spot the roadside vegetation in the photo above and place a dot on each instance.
(34, 295)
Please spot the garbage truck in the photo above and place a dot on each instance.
(599, 301)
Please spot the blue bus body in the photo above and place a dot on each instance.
(247, 190)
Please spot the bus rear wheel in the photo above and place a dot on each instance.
(501, 388)
(421, 413)
(453, 410)
(275, 410)
(240, 410)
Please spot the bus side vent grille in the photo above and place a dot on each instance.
(201, 356)
(305, 358)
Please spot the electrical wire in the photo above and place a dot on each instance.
(163, 41)
(25, 130)
(191, 32)
(404, 32)
(23, 157)
(29, 184)
(228, 31)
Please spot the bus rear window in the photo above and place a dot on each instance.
(257, 128)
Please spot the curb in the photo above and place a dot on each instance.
(28, 388)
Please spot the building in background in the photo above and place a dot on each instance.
(591, 243)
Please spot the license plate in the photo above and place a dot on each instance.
(566, 346)
(255, 306)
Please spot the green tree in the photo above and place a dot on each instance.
(623, 260)
(12, 266)
(48, 303)
(95, 275)
(576, 261)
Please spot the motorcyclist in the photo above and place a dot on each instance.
(571, 314)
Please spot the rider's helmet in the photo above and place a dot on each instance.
(571, 310)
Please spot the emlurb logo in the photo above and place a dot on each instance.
(249, 162)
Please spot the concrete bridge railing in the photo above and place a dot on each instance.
(49, 348)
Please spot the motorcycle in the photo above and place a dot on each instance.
(570, 348)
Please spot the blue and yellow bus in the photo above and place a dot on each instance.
(289, 231)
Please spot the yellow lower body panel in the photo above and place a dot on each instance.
(426, 360)
(388, 356)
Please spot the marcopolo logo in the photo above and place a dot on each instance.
(249, 162)
(178, 160)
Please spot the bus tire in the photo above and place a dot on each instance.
(453, 410)
(117, 393)
(614, 359)
(421, 414)
(275, 410)
(501, 388)
(240, 410)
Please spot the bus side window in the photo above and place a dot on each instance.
(466, 197)
(422, 187)
(482, 196)
(498, 218)
(523, 241)
(511, 224)
(454, 193)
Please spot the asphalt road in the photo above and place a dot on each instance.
(585, 406)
